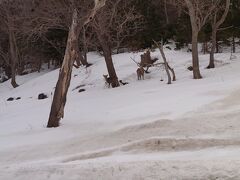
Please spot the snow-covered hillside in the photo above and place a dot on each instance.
(144, 130)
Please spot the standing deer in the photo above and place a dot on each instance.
(108, 80)
(140, 73)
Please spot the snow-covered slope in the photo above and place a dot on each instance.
(144, 130)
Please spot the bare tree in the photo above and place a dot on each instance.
(49, 15)
(165, 63)
(217, 19)
(199, 12)
(9, 20)
(80, 17)
(4, 54)
(113, 24)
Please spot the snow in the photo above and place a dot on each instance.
(144, 130)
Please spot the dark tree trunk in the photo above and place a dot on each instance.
(85, 47)
(166, 12)
(110, 67)
(60, 94)
(195, 59)
(107, 53)
(204, 48)
(233, 44)
(213, 49)
(49, 62)
(8, 71)
(166, 66)
(217, 46)
(21, 68)
(39, 66)
(14, 57)
(173, 73)
(83, 59)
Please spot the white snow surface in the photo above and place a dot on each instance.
(144, 130)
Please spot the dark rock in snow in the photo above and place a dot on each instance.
(123, 83)
(42, 96)
(81, 90)
(18, 98)
(190, 68)
(10, 99)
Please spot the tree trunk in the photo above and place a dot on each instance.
(165, 10)
(173, 73)
(14, 57)
(85, 47)
(107, 53)
(60, 94)
(195, 58)
(110, 67)
(204, 47)
(63, 83)
(215, 25)
(213, 48)
(233, 44)
(83, 59)
(166, 66)
(217, 46)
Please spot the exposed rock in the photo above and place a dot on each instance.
(81, 90)
(10, 99)
(190, 68)
(42, 96)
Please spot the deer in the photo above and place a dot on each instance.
(108, 80)
(140, 73)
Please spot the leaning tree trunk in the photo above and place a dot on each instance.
(107, 53)
(14, 57)
(60, 94)
(213, 49)
(166, 66)
(195, 58)
(110, 67)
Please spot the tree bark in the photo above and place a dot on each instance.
(217, 46)
(213, 49)
(196, 26)
(14, 57)
(85, 48)
(215, 25)
(173, 73)
(195, 58)
(233, 44)
(110, 67)
(166, 66)
(165, 10)
(107, 53)
(60, 94)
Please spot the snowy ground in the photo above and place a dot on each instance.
(144, 130)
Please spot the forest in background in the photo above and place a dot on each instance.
(39, 39)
